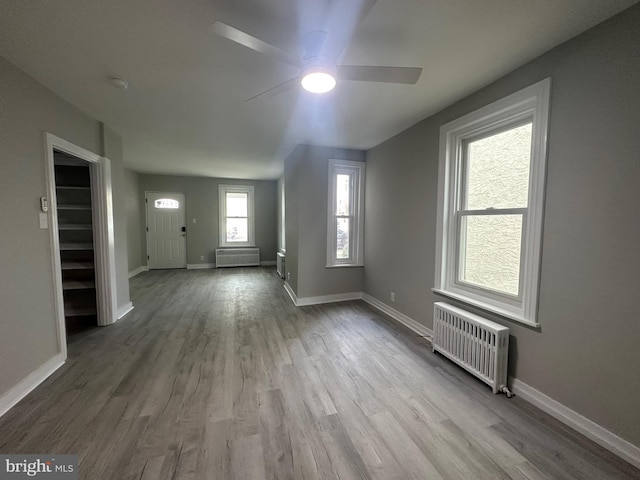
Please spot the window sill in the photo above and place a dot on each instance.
(487, 307)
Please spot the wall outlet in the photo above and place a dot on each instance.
(393, 296)
(201, 257)
(288, 276)
(194, 220)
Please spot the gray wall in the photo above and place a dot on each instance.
(306, 184)
(134, 209)
(201, 196)
(585, 355)
(28, 326)
(400, 201)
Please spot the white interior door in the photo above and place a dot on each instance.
(166, 230)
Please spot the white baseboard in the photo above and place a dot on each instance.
(306, 301)
(122, 311)
(340, 297)
(22, 389)
(200, 266)
(573, 419)
(408, 322)
(140, 269)
(292, 294)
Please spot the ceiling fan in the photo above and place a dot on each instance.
(321, 50)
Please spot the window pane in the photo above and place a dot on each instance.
(342, 194)
(166, 203)
(342, 244)
(237, 204)
(490, 251)
(498, 170)
(237, 230)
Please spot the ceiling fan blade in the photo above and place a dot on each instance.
(364, 73)
(282, 87)
(249, 41)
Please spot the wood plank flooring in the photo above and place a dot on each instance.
(216, 375)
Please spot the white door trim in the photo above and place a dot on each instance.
(102, 209)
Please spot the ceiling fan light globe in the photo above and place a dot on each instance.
(318, 82)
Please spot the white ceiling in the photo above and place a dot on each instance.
(185, 111)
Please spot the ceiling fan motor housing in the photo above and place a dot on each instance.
(319, 71)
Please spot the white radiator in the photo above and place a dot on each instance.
(280, 264)
(475, 343)
(237, 257)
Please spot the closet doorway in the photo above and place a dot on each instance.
(76, 245)
(82, 238)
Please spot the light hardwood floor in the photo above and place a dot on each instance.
(216, 375)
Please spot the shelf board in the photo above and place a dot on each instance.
(78, 311)
(70, 206)
(78, 284)
(72, 187)
(76, 246)
(75, 226)
(69, 265)
(64, 160)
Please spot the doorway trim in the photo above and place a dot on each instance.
(103, 227)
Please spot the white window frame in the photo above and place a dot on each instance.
(282, 216)
(222, 202)
(528, 104)
(356, 172)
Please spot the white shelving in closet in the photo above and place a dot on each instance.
(75, 228)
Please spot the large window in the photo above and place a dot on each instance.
(491, 192)
(345, 220)
(236, 215)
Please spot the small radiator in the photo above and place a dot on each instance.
(475, 343)
(237, 257)
(280, 264)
